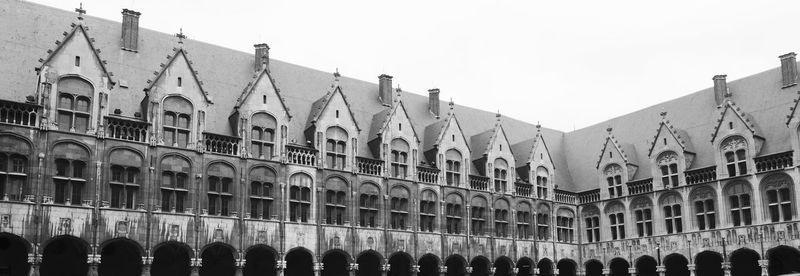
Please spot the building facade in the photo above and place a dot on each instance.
(123, 154)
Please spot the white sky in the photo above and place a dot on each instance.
(568, 64)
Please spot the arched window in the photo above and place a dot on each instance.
(336, 148)
(734, 149)
(13, 167)
(643, 214)
(125, 180)
(592, 223)
(399, 207)
(500, 175)
(668, 164)
(478, 218)
(177, 121)
(705, 212)
(299, 197)
(543, 222)
(613, 174)
(453, 167)
(335, 201)
(673, 220)
(739, 203)
(262, 183)
(501, 218)
(541, 182)
(220, 189)
(369, 205)
(74, 104)
(399, 160)
(453, 212)
(71, 173)
(262, 136)
(779, 197)
(174, 183)
(427, 211)
(565, 220)
(616, 221)
(524, 220)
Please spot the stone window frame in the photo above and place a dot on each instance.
(262, 138)
(129, 188)
(542, 182)
(398, 157)
(705, 211)
(478, 219)
(613, 175)
(399, 208)
(220, 191)
(427, 211)
(672, 213)
(565, 225)
(524, 221)
(778, 191)
(739, 203)
(735, 155)
(500, 176)
(300, 198)
(454, 213)
(369, 206)
(262, 194)
(453, 168)
(501, 218)
(543, 222)
(336, 148)
(667, 162)
(336, 201)
(72, 108)
(13, 175)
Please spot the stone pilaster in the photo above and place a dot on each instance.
(726, 268)
(352, 268)
(632, 271)
(661, 270)
(764, 264)
(691, 269)
(606, 271)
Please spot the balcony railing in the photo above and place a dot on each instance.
(427, 175)
(566, 197)
(478, 182)
(773, 162)
(589, 196)
(221, 144)
(640, 186)
(23, 114)
(126, 129)
(369, 166)
(524, 189)
(301, 156)
(701, 175)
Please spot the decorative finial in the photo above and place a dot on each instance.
(498, 114)
(336, 74)
(180, 36)
(80, 11)
(335, 78)
(663, 114)
(609, 130)
(452, 104)
(538, 127)
(398, 90)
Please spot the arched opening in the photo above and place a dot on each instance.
(334, 263)
(428, 265)
(299, 262)
(502, 266)
(545, 267)
(64, 255)
(525, 267)
(619, 267)
(259, 261)
(594, 268)
(480, 266)
(217, 261)
(13, 255)
(456, 265)
(566, 267)
(708, 263)
(120, 257)
(744, 262)
(782, 260)
(646, 266)
(676, 265)
(400, 265)
(171, 259)
(369, 263)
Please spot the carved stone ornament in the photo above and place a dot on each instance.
(733, 143)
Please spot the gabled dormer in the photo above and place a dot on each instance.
(736, 140)
(493, 157)
(536, 165)
(616, 166)
(671, 154)
(446, 146)
(332, 129)
(74, 83)
(392, 138)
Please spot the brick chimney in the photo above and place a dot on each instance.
(385, 89)
(261, 57)
(130, 30)
(433, 101)
(788, 69)
(720, 89)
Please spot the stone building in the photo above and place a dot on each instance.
(125, 151)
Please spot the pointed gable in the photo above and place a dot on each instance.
(177, 76)
(670, 138)
(732, 117)
(489, 145)
(534, 153)
(393, 122)
(444, 135)
(262, 94)
(332, 109)
(615, 152)
(75, 52)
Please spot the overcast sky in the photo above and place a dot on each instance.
(567, 64)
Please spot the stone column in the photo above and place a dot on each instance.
(353, 268)
(661, 270)
(318, 267)
(606, 271)
(632, 271)
(414, 270)
(581, 272)
(764, 264)
(93, 260)
(146, 263)
(240, 262)
(536, 271)
(385, 269)
(691, 269)
(280, 266)
(34, 259)
(468, 271)
(492, 270)
(196, 264)
(442, 270)
(555, 272)
(726, 268)
(514, 271)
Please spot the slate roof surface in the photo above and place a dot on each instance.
(225, 74)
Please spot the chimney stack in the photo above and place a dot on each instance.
(385, 89)
(261, 57)
(130, 30)
(788, 69)
(433, 101)
(720, 89)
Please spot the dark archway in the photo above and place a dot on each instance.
(260, 261)
(218, 261)
(525, 267)
(369, 263)
(619, 267)
(428, 265)
(456, 265)
(120, 257)
(299, 262)
(594, 268)
(480, 266)
(335, 263)
(545, 267)
(65, 256)
(502, 266)
(566, 267)
(676, 265)
(13, 255)
(744, 262)
(708, 263)
(782, 260)
(171, 259)
(646, 266)
(400, 265)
